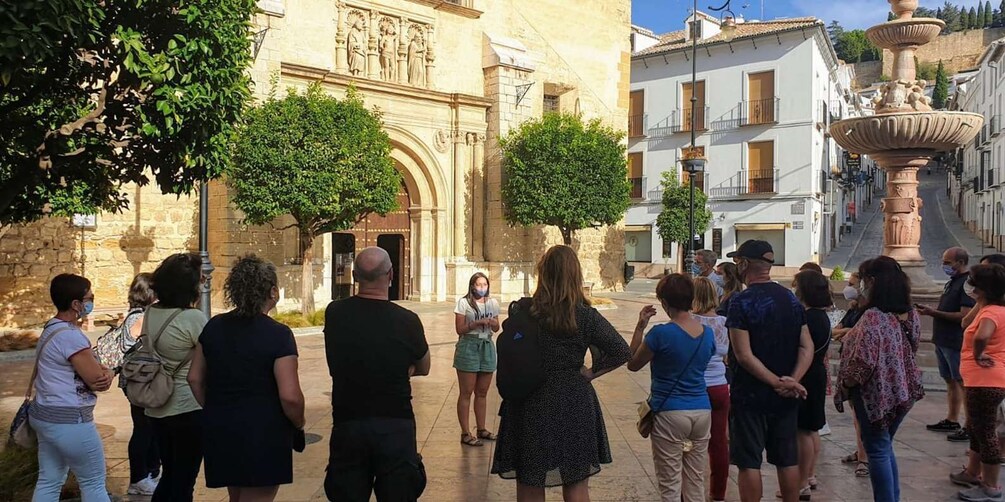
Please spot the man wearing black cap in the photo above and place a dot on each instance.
(770, 350)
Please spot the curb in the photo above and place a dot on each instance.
(16, 356)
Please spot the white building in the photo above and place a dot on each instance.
(975, 180)
(765, 100)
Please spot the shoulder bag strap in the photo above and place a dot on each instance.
(38, 355)
(153, 341)
(701, 340)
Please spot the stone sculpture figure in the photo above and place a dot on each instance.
(388, 48)
(356, 43)
(417, 60)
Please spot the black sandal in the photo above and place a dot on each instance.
(852, 458)
(468, 439)
(486, 435)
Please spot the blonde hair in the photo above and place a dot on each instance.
(559, 290)
(705, 298)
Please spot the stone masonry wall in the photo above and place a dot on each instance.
(958, 51)
(109, 254)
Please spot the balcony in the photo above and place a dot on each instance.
(996, 126)
(636, 126)
(759, 112)
(638, 188)
(681, 120)
(757, 183)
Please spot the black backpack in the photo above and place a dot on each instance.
(520, 369)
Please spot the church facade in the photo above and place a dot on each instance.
(450, 78)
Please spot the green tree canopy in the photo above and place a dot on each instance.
(324, 161)
(980, 16)
(972, 17)
(941, 92)
(854, 47)
(988, 14)
(563, 172)
(95, 93)
(673, 221)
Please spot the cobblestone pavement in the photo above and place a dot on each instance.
(459, 473)
(941, 230)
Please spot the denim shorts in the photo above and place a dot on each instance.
(475, 355)
(949, 363)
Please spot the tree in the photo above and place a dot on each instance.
(925, 71)
(890, 17)
(979, 23)
(563, 172)
(988, 14)
(953, 17)
(673, 221)
(972, 19)
(95, 93)
(941, 92)
(855, 47)
(324, 161)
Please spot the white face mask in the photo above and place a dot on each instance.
(969, 290)
(850, 293)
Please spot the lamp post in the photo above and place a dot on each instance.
(693, 161)
(206, 285)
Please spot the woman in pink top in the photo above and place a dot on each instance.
(982, 365)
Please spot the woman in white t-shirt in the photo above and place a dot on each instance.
(62, 411)
(476, 318)
(705, 304)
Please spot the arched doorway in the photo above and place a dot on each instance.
(393, 233)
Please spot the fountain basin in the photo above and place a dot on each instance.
(901, 33)
(937, 131)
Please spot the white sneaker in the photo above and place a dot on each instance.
(144, 486)
(826, 430)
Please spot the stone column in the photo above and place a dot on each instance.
(478, 197)
(372, 49)
(403, 51)
(901, 206)
(341, 51)
(461, 168)
(430, 56)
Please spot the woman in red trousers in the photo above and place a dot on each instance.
(705, 304)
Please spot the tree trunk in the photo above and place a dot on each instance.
(306, 272)
(566, 235)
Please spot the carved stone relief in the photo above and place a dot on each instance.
(441, 140)
(383, 46)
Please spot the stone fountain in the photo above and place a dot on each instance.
(904, 135)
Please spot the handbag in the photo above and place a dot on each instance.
(646, 415)
(112, 346)
(147, 383)
(21, 433)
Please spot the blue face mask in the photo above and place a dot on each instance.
(695, 270)
(481, 292)
(88, 308)
(948, 269)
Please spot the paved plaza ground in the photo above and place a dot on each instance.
(460, 473)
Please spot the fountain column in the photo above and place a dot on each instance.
(905, 134)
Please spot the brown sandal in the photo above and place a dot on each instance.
(486, 435)
(468, 439)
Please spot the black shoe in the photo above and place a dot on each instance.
(944, 426)
(959, 436)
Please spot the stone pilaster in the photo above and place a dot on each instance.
(341, 50)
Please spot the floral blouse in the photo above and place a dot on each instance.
(878, 361)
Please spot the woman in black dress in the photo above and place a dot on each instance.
(813, 290)
(244, 374)
(557, 435)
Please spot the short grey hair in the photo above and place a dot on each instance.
(708, 256)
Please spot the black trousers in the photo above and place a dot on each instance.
(375, 455)
(144, 460)
(179, 440)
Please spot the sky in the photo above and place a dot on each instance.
(662, 16)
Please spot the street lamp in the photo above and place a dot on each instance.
(206, 285)
(693, 160)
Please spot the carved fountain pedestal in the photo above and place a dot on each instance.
(904, 135)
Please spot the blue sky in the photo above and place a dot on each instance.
(667, 15)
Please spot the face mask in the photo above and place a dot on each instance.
(481, 292)
(948, 269)
(969, 290)
(850, 293)
(695, 270)
(88, 308)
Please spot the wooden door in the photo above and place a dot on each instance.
(368, 233)
(636, 114)
(699, 114)
(635, 175)
(761, 167)
(761, 95)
